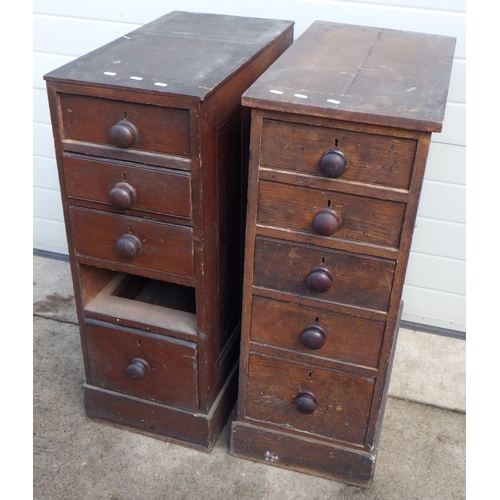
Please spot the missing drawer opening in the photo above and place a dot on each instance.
(154, 305)
(159, 293)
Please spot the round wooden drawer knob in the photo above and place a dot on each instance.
(333, 163)
(123, 195)
(305, 402)
(137, 369)
(128, 246)
(319, 280)
(123, 134)
(326, 221)
(313, 337)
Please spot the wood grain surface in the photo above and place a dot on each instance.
(364, 74)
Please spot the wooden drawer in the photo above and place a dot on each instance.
(371, 158)
(159, 129)
(156, 190)
(356, 280)
(362, 219)
(169, 372)
(343, 401)
(289, 326)
(163, 247)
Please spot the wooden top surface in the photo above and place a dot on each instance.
(362, 74)
(180, 53)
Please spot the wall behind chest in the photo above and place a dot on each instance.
(434, 291)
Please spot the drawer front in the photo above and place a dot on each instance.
(355, 280)
(162, 247)
(148, 189)
(361, 219)
(315, 331)
(144, 365)
(372, 159)
(342, 401)
(157, 129)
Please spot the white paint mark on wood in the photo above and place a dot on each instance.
(270, 457)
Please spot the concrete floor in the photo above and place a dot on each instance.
(421, 454)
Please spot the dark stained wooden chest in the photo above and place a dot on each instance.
(152, 146)
(341, 126)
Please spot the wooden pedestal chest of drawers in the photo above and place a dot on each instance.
(151, 145)
(341, 125)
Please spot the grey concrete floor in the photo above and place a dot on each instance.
(421, 454)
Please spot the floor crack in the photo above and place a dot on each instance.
(58, 320)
